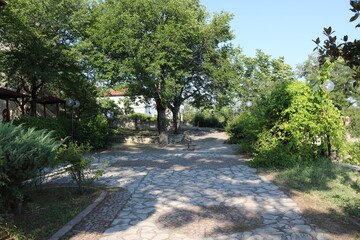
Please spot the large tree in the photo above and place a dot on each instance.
(209, 72)
(344, 94)
(155, 47)
(259, 75)
(36, 44)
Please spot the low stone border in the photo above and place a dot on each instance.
(357, 168)
(78, 218)
(100, 218)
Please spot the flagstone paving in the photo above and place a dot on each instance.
(205, 192)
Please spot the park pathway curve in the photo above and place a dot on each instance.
(202, 191)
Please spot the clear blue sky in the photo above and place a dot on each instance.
(285, 27)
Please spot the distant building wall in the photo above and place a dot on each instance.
(139, 105)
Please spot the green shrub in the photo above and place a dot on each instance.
(61, 127)
(354, 153)
(354, 128)
(141, 116)
(200, 120)
(300, 124)
(94, 131)
(72, 156)
(24, 154)
(109, 108)
(243, 130)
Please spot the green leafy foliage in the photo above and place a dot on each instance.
(243, 130)
(79, 167)
(109, 108)
(24, 153)
(345, 93)
(301, 125)
(60, 127)
(258, 76)
(354, 152)
(140, 116)
(292, 124)
(94, 131)
(37, 42)
(354, 128)
(201, 120)
(167, 50)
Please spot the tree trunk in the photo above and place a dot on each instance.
(161, 123)
(175, 112)
(33, 103)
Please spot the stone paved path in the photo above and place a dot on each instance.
(204, 193)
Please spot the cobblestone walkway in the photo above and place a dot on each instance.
(204, 193)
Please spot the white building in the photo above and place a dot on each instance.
(138, 103)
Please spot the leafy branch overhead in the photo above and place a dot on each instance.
(347, 50)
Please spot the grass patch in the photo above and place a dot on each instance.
(46, 212)
(330, 182)
(327, 194)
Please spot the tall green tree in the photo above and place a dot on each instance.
(36, 44)
(344, 94)
(157, 48)
(258, 76)
(209, 72)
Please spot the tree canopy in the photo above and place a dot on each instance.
(36, 45)
(167, 50)
(257, 76)
(344, 94)
(349, 51)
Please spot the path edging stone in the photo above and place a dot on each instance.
(78, 218)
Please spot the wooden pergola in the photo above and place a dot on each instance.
(51, 100)
(9, 95)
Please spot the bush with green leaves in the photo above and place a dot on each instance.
(292, 124)
(61, 127)
(109, 108)
(94, 131)
(354, 153)
(354, 113)
(71, 155)
(140, 116)
(24, 153)
(201, 120)
(243, 130)
(301, 125)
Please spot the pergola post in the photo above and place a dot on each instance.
(22, 106)
(44, 111)
(7, 103)
(57, 110)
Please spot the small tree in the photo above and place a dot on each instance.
(79, 167)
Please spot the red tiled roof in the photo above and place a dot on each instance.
(116, 93)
